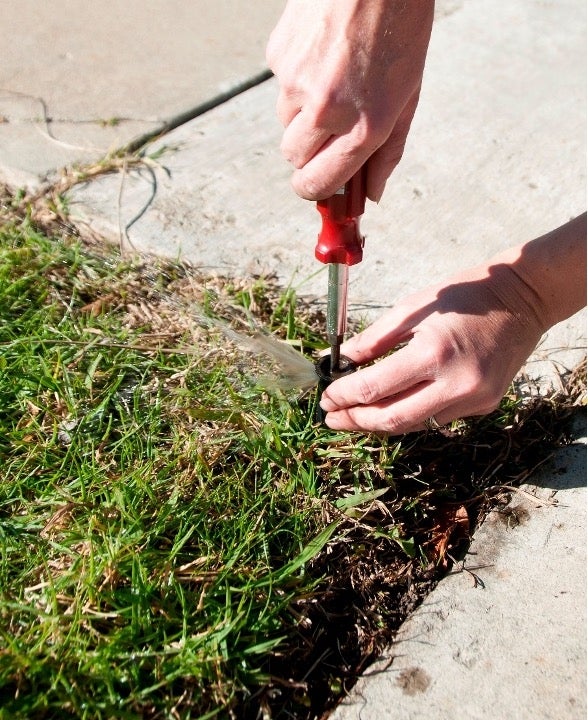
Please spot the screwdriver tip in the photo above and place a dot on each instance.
(335, 358)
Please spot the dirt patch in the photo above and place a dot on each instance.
(513, 516)
(413, 681)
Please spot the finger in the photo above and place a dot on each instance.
(288, 106)
(384, 334)
(382, 164)
(380, 382)
(385, 159)
(340, 157)
(464, 408)
(303, 138)
(425, 406)
(396, 415)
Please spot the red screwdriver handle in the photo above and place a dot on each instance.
(340, 240)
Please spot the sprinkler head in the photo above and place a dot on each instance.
(322, 368)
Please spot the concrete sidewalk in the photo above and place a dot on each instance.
(514, 649)
(78, 80)
(496, 155)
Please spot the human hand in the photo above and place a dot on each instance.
(465, 341)
(350, 74)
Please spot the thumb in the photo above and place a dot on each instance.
(385, 159)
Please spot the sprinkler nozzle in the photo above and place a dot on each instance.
(322, 368)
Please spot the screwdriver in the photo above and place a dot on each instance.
(340, 245)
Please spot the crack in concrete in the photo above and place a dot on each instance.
(186, 116)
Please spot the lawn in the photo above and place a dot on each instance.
(176, 539)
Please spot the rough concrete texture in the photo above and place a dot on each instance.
(80, 79)
(496, 155)
(514, 649)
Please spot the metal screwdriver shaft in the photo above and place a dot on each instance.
(337, 310)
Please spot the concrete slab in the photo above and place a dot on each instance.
(496, 155)
(78, 80)
(514, 649)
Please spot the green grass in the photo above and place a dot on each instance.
(174, 541)
(157, 510)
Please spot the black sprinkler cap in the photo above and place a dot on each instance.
(322, 368)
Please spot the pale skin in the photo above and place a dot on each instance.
(350, 73)
(466, 338)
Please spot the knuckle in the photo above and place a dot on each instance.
(394, 151)
(472, 383)
(366, 132)
(367, 391)
(393, 424)
(330, 110)
(435, 357)
(320, 111)
(274, 53)
(481, 389)
(492, 398)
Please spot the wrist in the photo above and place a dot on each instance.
(552, 272)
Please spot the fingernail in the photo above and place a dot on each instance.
(327, 405)
(331, 422)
